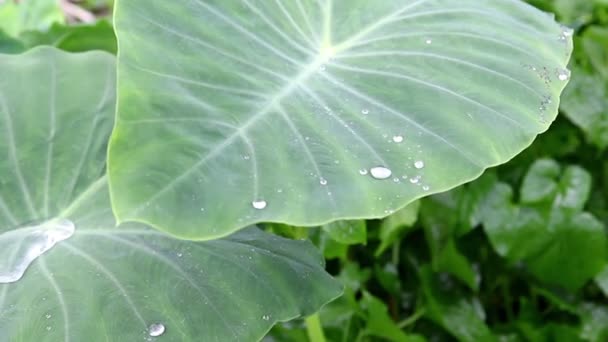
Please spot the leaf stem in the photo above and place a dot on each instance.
(314, 328)
(412, 319)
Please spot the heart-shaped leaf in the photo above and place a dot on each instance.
(69, 273)
(233, 112)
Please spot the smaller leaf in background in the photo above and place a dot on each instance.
(9, 45)
(585, 99)
(459, 314)
(442, 218)
(347, 232)
(397, 226)
(76, 38)
(560, 244)
(380, 324)
(29, 15)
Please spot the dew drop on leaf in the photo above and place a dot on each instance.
(563, 75)
(259, 204)
(363, 172)
(398, 138)
(419, 164)
(380, 172)
(156, 329)
(365, 111)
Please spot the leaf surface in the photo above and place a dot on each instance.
(289, 111)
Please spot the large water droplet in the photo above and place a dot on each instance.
(156, 329)
(380, 172)
(419, 164)
(21, 247)
(259, 204)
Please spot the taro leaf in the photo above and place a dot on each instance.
(560, 243)
(233, 112)
(109, 282)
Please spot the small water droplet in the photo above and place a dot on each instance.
(156, 329)
(426, 188)
(246, 157)
(380, 172)
(398, 138)
(323, 181)
(365, 111)
(48, 328)
(414, 180)
(363, 172)
(280, 190)
(266, 317)
(563, 75)
(419, 164)
(396, 180)
(429, 41)
(48, 316)
(259, 204)
(179, 255)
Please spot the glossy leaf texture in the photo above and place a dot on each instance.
(289, 111)
(92, 280)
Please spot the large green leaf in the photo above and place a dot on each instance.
(91, 280)
(289, 111)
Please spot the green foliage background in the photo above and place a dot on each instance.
(517, 255)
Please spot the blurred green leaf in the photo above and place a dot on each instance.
(76, 38)
(347, 232)
(29, 15)
(380, 324)
(10, 45)
(560, 244)
(459, 314)
(397, 226)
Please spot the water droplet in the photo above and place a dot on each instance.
(246, 157)
(363, 172)
(396, 180)
(415, 180)
(398, 138)
(48, 328)
(419, 164)
(266, 317)
(259, 204)
(48, 316)
(21, 247)
(567, 31)
(426, 188)
(380, 172)
(323, 181)
(156, 329)
(280, 190)
(563, 75)
(365, 111)
(179, 255)
(429, 41)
